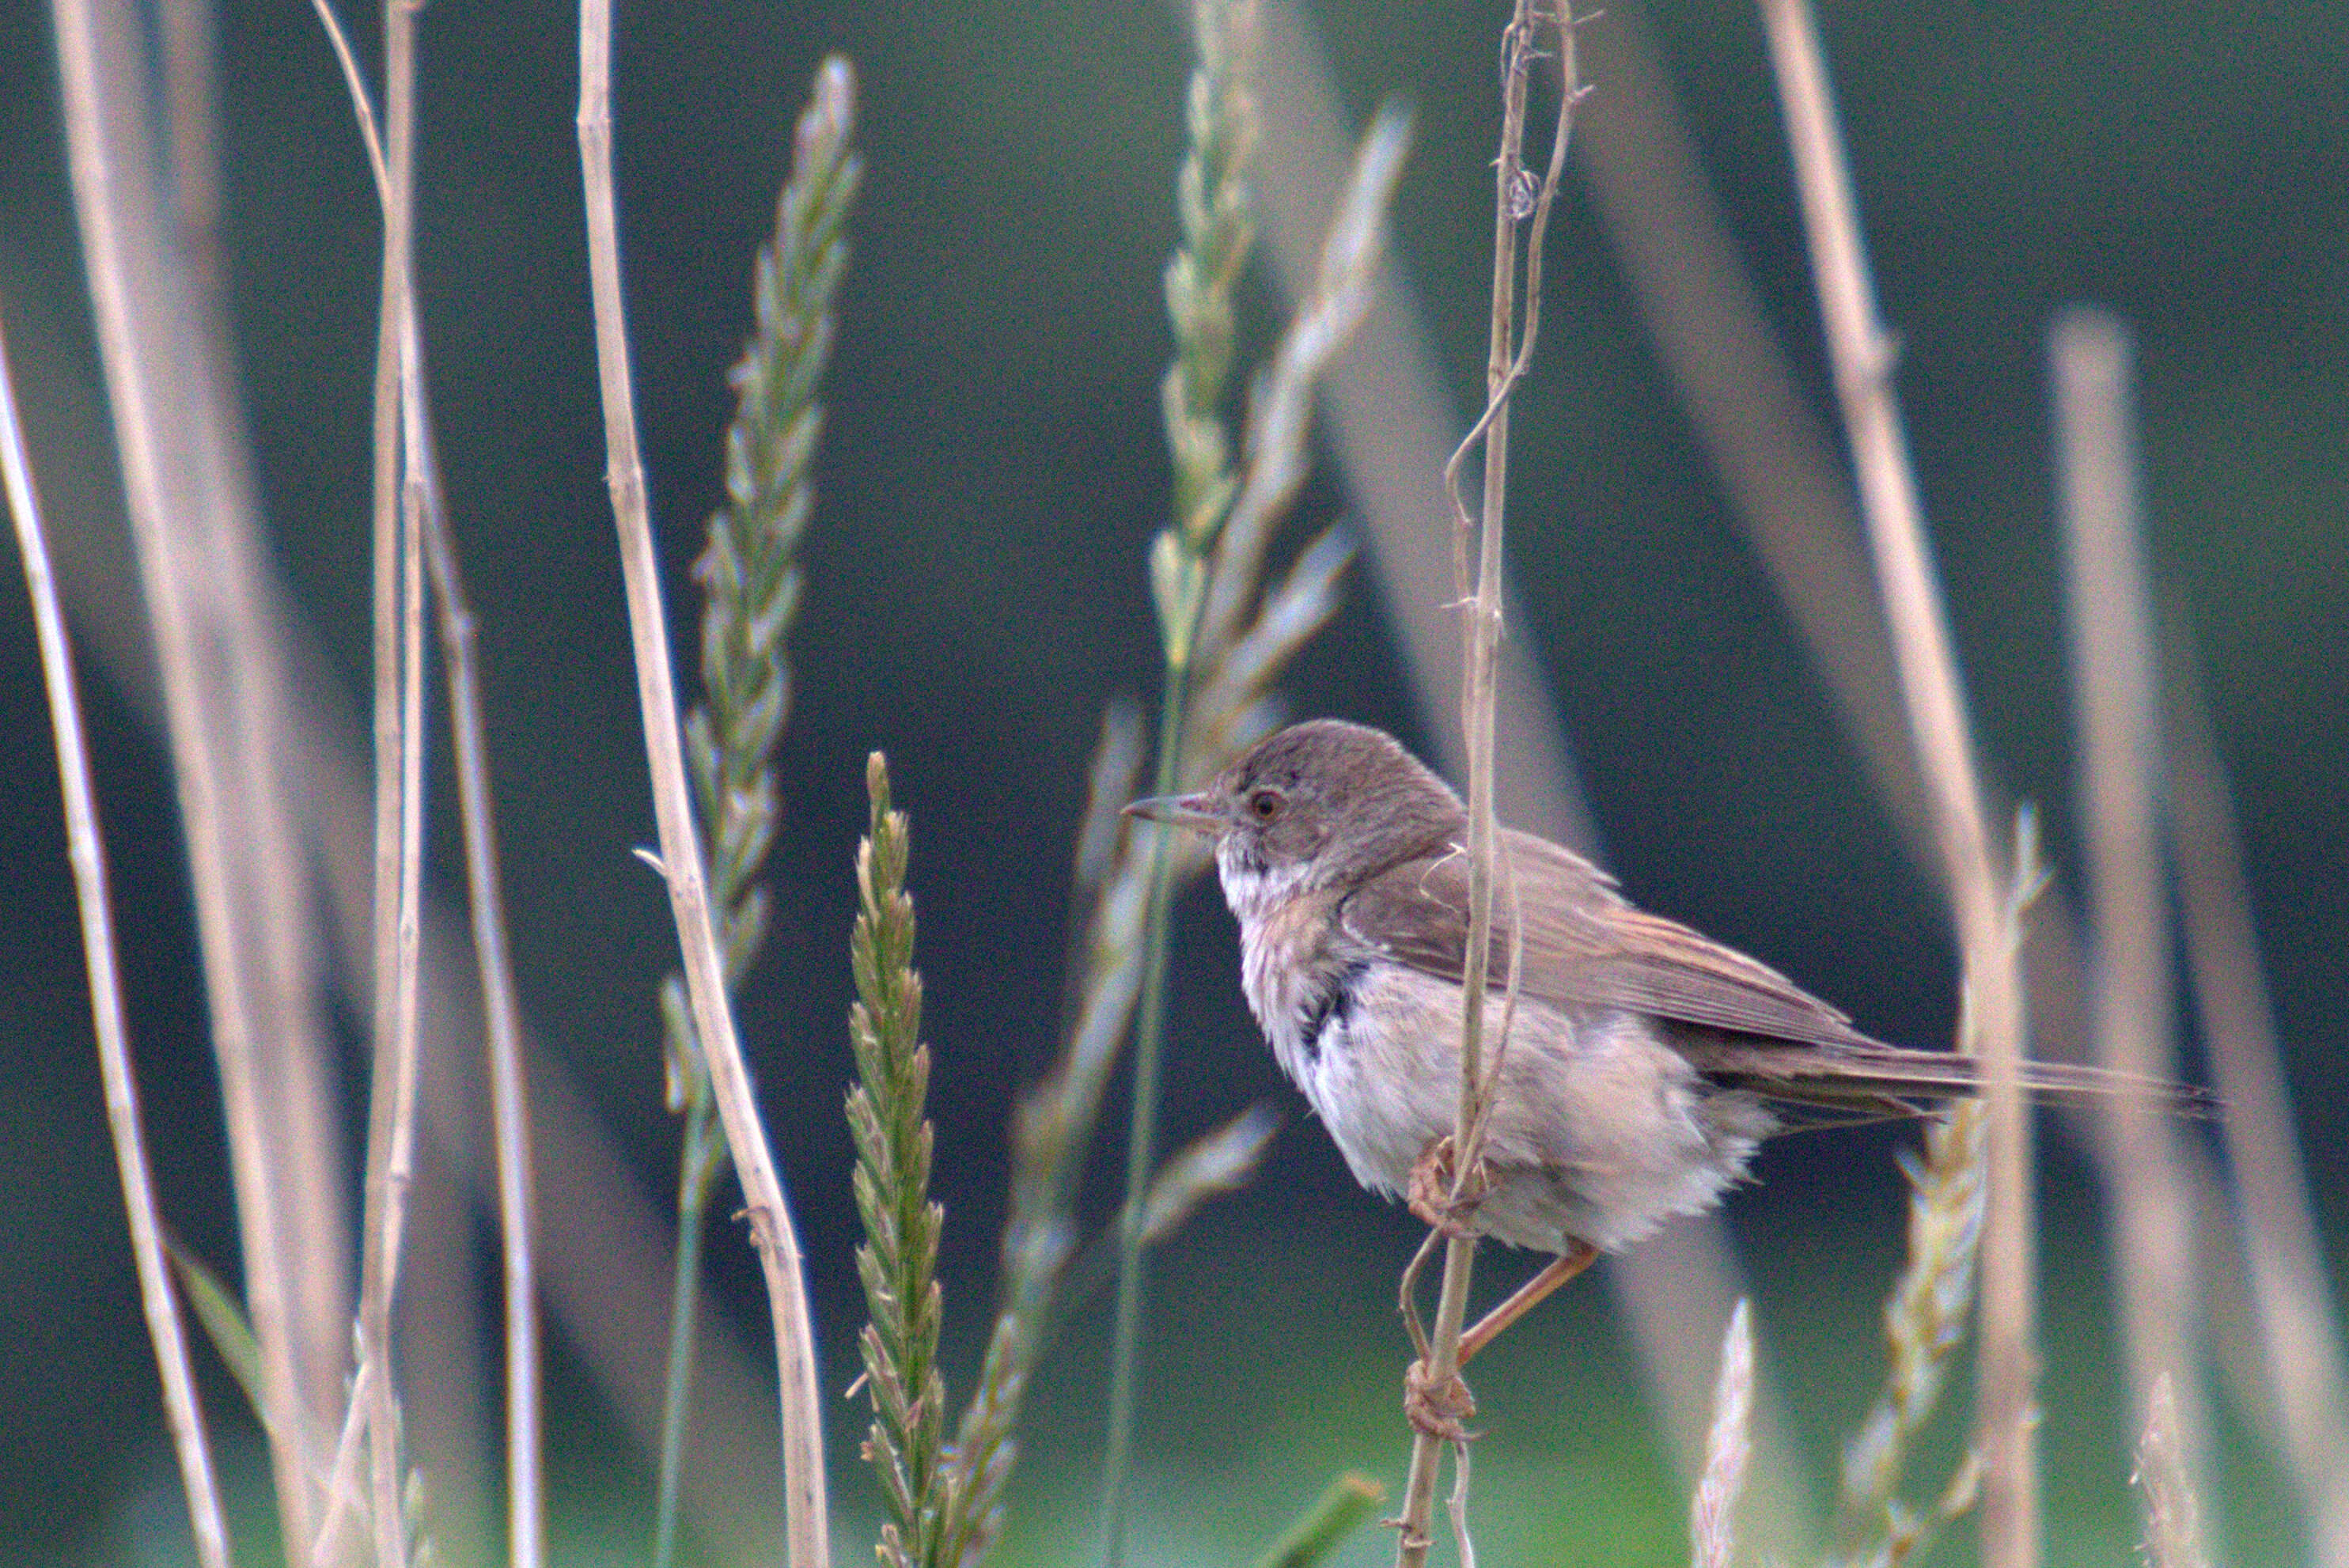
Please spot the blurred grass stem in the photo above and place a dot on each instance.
(2116, 685)
(1200, 280)
(1863, 355)
(1149, 1042)
(681, 858)
(111, 182)
(183, 1410)
(2299, 1316)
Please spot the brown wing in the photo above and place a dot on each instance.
(1586, 946)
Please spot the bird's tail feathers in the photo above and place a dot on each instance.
(1872, 1081)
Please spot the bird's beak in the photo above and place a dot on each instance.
(1195, 813)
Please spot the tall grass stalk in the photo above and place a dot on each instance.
(510, 1123)
(1863, 355)
(772, 1232)
(1521, 205)
(399, 708)
(750, 577)
(183, 1412)
(2116, 682)
(1217, 234)
(1206, 573)
(2284, 1260)
(124, 259)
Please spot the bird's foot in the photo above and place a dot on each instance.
(1433, 1196)
(1437, 1409)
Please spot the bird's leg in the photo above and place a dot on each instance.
(1560, 1270)
(1410, 1294)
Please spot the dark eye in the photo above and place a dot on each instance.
(1263, 805)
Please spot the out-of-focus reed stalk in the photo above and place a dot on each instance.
(220, 678)
(1336, 1514)
(2298, 1318)
(749, 574)
(2116, 684)
(773, 1231)
(1521, 215)
(1863, 355)
(86, 848)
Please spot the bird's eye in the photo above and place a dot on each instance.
(1263, 805)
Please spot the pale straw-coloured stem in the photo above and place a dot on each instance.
(86, 851)
(115, 239)
(680, 849)
(2115, 688)
(1863, 355)
(398, 813)
(2298, 1314)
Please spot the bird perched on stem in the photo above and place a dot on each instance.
(1640, 1063)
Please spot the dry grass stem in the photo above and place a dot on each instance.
(1521, 207)
(398, 816)
(2115, 693)
(2298, 1314)
(1863, 355)
(681, 859)
(183, 1412)
(113, 193)
(501, 1031)
(1728, 1446)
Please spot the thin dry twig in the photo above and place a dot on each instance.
(680, 849)
(1863, 354)
(86, 851)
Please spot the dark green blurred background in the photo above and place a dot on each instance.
(992, 475)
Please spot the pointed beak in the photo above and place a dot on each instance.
(1195, 813)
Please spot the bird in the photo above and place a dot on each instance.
(1640, 1066)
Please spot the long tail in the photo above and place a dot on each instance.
(1873, 1080)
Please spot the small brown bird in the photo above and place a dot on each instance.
(1644, 1062)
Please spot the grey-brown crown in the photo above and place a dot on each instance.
(1345, 798)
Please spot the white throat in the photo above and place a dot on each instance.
(1251, 888)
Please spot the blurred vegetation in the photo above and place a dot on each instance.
(992, 475)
